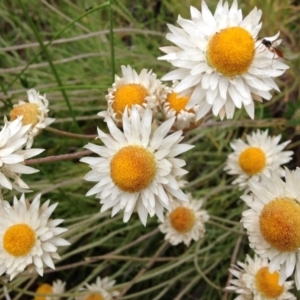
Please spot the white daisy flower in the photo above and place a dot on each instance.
(28, 237)
(219, 60)
(254, 281)
(261, 154)
(13, 137)
(102, 289)
(34, 112)
(137, 168)
(57, 287)
(174, 105)
(273, 221)
(143, 90)
(184, 222)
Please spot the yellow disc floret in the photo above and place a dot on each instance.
(268, 283)
(177, 103)
(231, 51)
(43, 289)
(252, 160)
(133, 168)
(182, 219)
(30, 112)
(128, 95)
(19, 239)
(279, 224)
(94, 296)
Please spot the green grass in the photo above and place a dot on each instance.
(75, 70)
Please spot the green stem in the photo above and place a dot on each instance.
(111, 41)
(202, 273)
(49, 59)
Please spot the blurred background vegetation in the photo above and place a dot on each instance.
(75, 71)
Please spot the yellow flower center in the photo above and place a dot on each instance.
(128, 95)
(182, 219)
(133, 168)
(231, 51)
(19, 239)
(177, 103)
(29, 111)
(279, 224)
(267, 283)
(252, 160)
(46, 289)
(95, 296)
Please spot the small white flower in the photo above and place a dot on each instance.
(57, 287)
(102, 287)
(219, 60)
(260, 155)
(137, 168)
(273, 221)
(34, 112)
(254, 281)
(175, 106)
(28, 237)
(142, 90)
(13, 137)
(184, 222)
